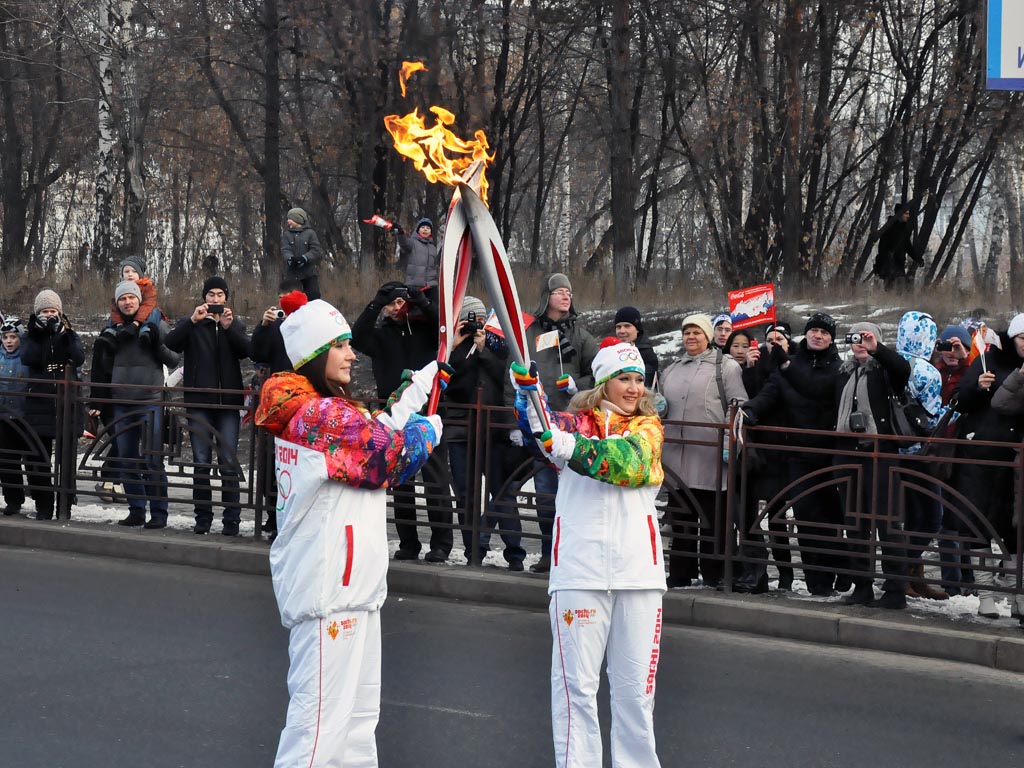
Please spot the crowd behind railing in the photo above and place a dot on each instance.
(843, 458)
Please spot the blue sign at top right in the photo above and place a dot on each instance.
(1005, 53)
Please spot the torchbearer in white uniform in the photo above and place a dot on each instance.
(607, 574)
(329, 562)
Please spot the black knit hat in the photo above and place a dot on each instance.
(823, 321)
(782, 328)
(630, 315)
(215, 281)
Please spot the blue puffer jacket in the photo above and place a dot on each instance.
(11, 367)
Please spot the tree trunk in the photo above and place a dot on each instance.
(270, 267)
(106, 173)
(623, 182)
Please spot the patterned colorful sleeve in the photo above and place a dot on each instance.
(926, 386)
(632, 461)
(359, 451)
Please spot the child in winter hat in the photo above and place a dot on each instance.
(47, 299)
(133, 268)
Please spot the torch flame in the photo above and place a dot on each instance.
(408, 69)
(436, 151)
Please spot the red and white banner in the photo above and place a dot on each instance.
(752, 306)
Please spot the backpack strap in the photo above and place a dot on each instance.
(719, 364)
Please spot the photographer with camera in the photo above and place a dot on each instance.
(213, 342)
(301, 252)
(50, 344)
(480, 359)
(864, 388)
(268, 350)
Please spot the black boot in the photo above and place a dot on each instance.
(863, 594)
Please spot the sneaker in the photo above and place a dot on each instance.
(436, 556)
(10, 510)
(406, 554)
(890, 600)
(155, 524)
(987, 608)
(863, 594)
(515, 566)
(230, 528)
(542, 566)
(133, 520)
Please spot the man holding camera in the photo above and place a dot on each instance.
(213, 342)
(398, 331)
(300, 249)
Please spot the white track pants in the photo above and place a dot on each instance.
(334, 685)
(586, 624)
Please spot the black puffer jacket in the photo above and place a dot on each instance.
(803, 396)
(268, 347)
(481, 369)
(211, 358)
(132, 362)
(45, 354)
(396, 346)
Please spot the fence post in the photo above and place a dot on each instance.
(476, 459)
(731, 475)
(64, 446)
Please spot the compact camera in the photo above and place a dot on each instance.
(215, 309)
(858, 420)
(472, 325)
(854, 338)
(279, 314)
(943, 346)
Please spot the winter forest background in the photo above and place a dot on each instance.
(646, 143)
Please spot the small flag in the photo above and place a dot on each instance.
(378, 221)
(547, 340)
(980, 341)
(752, 306)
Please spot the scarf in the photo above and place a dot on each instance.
(855, 396)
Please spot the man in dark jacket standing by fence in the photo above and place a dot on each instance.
(213, 341)
(300, 249)
(130, 360)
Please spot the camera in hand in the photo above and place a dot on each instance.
(279, 314)
(943, 346)
(854, 338)
(215, 309)
(858, 419)
(471, 324)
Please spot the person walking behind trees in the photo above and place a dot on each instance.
(117, 368)
(405, 338)
(300, 249)
(564, 364)
(629, 327)
(329, 561)
(895, 243)
(213, 341)
(49, 346)
(13, 448)
(607, 576)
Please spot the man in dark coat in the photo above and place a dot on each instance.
(213, 342)
(801, 394)
(49, 345)
(398, 331)
(629, 327)
(117, 370)
(301, 252)
(895, 243)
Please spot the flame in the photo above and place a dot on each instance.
(408, 69)
(436, 151)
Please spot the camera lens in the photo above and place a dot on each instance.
(279, 314)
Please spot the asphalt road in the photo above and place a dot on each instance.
(116, 663)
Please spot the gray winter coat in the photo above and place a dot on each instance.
(692, 392)
(420, 257)
(300, 242)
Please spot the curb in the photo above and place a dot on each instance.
(733, 613)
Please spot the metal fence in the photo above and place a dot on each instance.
(780, 499)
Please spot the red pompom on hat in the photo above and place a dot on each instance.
(609, 341)
(292, 301)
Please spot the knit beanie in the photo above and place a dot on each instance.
(614, 357)
(125, 287)
(47, 299)
(135, 262)
(870, 328)
(701, 321)
(473, 304)
(630, 315)
(821, 320)
(722, 318)
(1016, 326)
(782, 328)
(555, 282)
(957, 332)
(215, 281)
(312, 329)
(425, 222)
(298, 216)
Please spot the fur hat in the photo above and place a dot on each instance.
(47, 299)
(136, 262)
(215, 281)
(821, 320)
(1016, 326)
(126, 287)
(614, 357)
(473, 304)
(298, 216)
(630, 315)
(869, 327)
(701, 321)
(312, 329)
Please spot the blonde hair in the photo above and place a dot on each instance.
(589, 399)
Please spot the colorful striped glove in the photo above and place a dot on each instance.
(566, 384)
